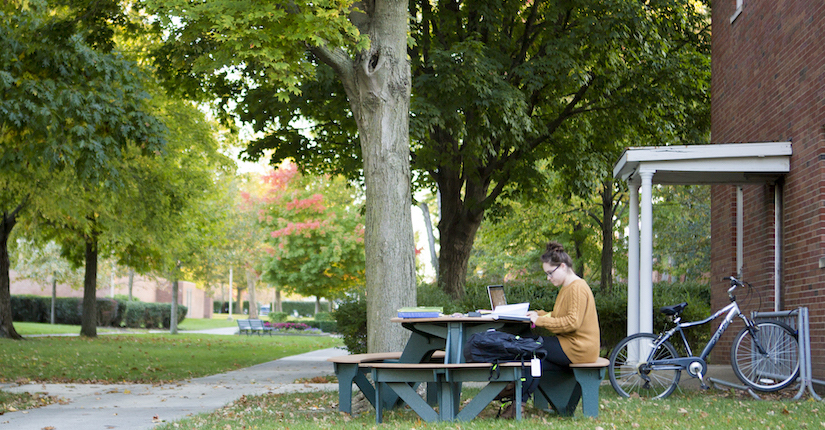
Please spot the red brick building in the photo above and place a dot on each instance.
(768, 85)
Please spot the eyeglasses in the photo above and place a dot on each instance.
(550, 273)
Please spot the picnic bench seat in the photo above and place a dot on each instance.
(446, 377)
(351, 369)
(564, 389)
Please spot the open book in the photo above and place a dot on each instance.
(516, 312)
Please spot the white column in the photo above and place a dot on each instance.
(740, 231)
(646, 255)
(778, 226)
(633, 259)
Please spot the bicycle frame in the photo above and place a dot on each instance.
(732, 311)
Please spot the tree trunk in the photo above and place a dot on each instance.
(278, 305)
(250, 286)
(607, 236)
(6, 323)
(131, 282)
(239, 301)
(462, 211)
(54, 298)
(88, 320)
(377, 82)
(381, 103)
(173, 317)
(428, 224)
(317, 304)
(456, 244)
(578, 244)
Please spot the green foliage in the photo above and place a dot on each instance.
(324, 316)
(351, 319)
(220, 48)
(151, 315)
(66, 105)
(324, 326)
(68, 310)
(682, 224)
(277, 317)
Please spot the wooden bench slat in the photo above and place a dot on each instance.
(439, 365)
(600, 362)
(375, 356)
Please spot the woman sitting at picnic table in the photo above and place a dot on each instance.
(573, 319)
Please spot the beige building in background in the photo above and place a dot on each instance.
(145, 289)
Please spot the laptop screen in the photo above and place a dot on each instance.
(496, 293)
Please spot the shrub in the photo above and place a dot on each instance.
(324, 316)
(106, 312)
(151, 315)
(30, 308)
(351, 319)
(133, 316)
(276, 317)
(324, 326)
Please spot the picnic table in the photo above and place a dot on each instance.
(395, 375)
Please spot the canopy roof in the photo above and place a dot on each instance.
(730, 163)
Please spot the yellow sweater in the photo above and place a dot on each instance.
(574, 321)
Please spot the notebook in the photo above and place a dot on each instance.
(501, 310)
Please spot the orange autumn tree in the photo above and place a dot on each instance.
(315, 233)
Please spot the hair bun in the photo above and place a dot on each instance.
(554, 247)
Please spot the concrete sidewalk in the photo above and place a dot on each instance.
(142, 406)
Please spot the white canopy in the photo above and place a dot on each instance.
(735, 163)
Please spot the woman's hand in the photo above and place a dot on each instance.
(533, 316)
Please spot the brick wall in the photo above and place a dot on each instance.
(768, 84)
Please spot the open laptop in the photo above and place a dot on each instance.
(497, 298)
(502, 310)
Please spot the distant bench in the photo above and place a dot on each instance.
(253, 326)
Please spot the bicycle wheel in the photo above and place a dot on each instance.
(773, 370)
(630, 374)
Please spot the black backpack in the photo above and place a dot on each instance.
(493, 346)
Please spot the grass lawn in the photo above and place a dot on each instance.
(144, 358)
(29, 328)
(684, 410)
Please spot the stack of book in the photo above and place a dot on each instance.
(420, 312)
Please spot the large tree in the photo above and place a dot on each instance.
(67, 113)
(501, 84)
(228, 49)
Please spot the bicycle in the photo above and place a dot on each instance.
(764, 355)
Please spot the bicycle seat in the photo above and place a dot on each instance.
(674, 309)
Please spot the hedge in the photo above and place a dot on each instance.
(110, 312)
(611, 307)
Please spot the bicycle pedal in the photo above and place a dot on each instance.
(704, 386)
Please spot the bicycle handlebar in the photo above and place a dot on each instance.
(733, 284)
